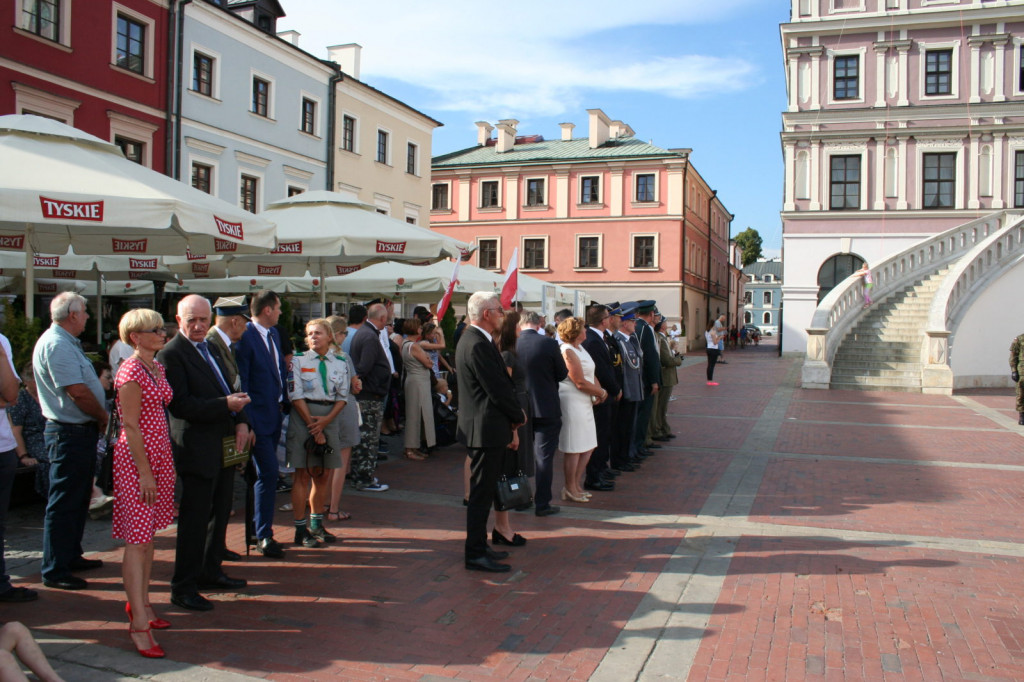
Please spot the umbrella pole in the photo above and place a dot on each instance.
(99, 308)
(30, 276)
(323, 291)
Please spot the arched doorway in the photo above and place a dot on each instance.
(835, 270)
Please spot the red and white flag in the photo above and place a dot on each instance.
(442, 307)
(510, 289)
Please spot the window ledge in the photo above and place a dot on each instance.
(203, 95)
(262, 117)
(591, 206)
(644, 269)
(312, 136)
(349, 151)
(382, 163)
(597, 269)
(536, 207)
(490, 209)
(441, 211)
(45, 41)
(415, 175)
(535, 269)
(129, 72)
(645, 204)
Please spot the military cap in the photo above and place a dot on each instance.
(644, 307)
(231, 305)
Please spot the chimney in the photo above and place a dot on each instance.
(346, 56)
(506, 134)
(567, 129)
(599, 128)
(291, 36)
(619, 129)
(483, 133)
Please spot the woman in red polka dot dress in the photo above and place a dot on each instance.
(143, 468)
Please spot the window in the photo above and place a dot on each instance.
(202, 74)
(590, 189)
(1020, 62)
(835, 270)
(489, 194)
(748, 299)
(348, 133)
(643, 251)
(131, 44)
(202, 177)
(766, 318)
(260, 96)
(382, 146)
(767, 278)
(534, 254)
(588, 252)
(308, 116)
(410, 158)
(439, 197)
(1018, 180)
(410, 220)
(938, 72)
(249, 186)
(645, 187)
(767, 299)
(293, 190)
(845, 183)
(939, 180)
(42, 17)
(748, 317)
(535, 192)
(487, 254)
(845, 82)
(133, 150)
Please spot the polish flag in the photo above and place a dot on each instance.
(510, 288)
(442, 307)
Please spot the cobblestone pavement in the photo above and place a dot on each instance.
(784, 535)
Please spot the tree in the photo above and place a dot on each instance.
(750, 241)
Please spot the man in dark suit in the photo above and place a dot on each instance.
(543, 367)
(624, 456)
(374, 370)
(489, 415)
(598, 472)
(262, 369)
(651, 364)
(204, 411)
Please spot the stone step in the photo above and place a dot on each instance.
(843, 386)
(856, 364)
(882, 346)
(842, 373)
(865, 355)
(877, 381)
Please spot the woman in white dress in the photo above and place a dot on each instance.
(577, 395)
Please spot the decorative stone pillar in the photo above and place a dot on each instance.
(816, 371)
(936, 375)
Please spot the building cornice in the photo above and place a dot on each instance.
(930, 17)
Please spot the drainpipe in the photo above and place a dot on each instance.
(179, 79)
(707, 281)
(332, 107)
(169, 72)
(682, 298)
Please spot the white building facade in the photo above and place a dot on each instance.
(904, 119)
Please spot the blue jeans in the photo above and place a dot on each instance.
(72, 452)
(264, 458)
(8, 467)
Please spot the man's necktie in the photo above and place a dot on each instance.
(323, 374)
(213, 366)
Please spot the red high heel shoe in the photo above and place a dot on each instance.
(156, 623)
(154, 651)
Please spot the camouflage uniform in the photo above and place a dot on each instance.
(1017, 365)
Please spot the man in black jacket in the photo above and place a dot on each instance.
(489, 415)
(651, 366)
(374, 370)
(544, 367)
(204, 411)
(598, 472)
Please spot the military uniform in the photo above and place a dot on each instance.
(1016, 369)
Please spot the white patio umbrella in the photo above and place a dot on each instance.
(327, 233)
(243, 285)
(63, 188)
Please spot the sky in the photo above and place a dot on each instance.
(702, 74)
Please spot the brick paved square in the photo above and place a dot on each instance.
(893, 498)
(872, 413)
(793, 609)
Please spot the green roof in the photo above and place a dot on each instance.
(577, 149)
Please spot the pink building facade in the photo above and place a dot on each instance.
(904, 119)
(606, 213)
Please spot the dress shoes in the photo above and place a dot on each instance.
(660, 439)
(192, 602)
(610, 473)
(67, 583)
(499, 539)
(270, 548)
(303, 538)
(323, 535)
(548, 510)
(625, 466)
(496, 554)
(485, 563)
(644, 452)
(670, 436)
(600, 486)
(222, 582)
(230, 555)
(83, 564)
(652, 446)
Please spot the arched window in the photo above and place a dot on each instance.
(767, 319)
(748, 317)
(835, 270)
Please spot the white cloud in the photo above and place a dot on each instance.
(538, 60)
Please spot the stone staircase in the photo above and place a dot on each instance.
(883, 351)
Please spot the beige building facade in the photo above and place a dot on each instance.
(382, 146)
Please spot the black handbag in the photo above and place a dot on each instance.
(513, 491)
(316, 455)
(105, 470)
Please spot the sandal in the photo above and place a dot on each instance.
(338, 516)
(415, 455)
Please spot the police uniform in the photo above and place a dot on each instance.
(322, 381)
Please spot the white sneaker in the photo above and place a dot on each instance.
(374, 487)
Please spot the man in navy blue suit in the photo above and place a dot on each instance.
(263, 373)
(544, 367)
(599, 472)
